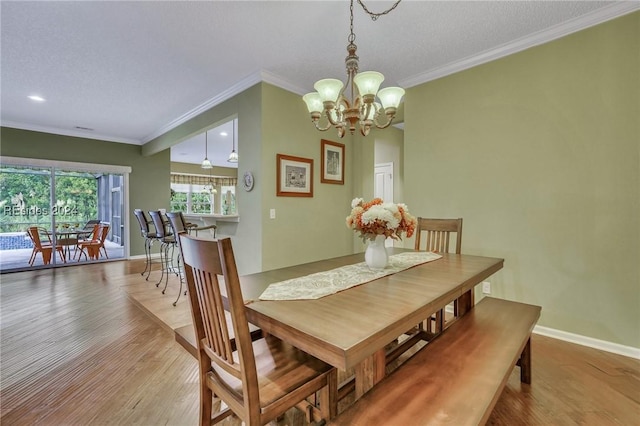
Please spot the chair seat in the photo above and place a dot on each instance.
(281, 368)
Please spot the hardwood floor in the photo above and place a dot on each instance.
(92, 344)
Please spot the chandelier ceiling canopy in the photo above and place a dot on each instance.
(354, 104)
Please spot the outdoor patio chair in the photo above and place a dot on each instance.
(44, 248)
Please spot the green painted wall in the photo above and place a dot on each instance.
(247, 107)
(148, 181)
(539, 153)
(305, 229)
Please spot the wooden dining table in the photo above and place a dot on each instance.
(351, 328)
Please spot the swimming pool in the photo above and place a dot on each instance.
(15, 241)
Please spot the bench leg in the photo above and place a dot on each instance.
(525, 363)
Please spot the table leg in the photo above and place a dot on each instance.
(465, 302)
(369, 372)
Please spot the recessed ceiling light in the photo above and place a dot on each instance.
(36, 98)
(223, 133)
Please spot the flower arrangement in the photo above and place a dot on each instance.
(379, 218)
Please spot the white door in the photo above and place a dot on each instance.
(383, 187)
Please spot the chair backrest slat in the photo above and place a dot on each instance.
(204, 261)
(438, 234)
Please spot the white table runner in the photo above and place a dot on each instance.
(325, 283)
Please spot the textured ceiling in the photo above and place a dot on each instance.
(133, 70)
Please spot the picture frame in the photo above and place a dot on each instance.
(294, 176)
(332, 162)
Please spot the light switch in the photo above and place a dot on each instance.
(272, 213)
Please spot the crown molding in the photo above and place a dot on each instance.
(237, 88)
(555, 32)
(601, 15)
(67, 132)
(280, 82)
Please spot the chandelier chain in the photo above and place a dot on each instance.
(374, 16)
(352, 36)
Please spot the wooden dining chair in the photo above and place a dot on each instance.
(434, 235)
(437, 235)
(258, 381)
(44, 248)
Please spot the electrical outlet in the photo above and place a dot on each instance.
(272, 214)
(486, 287)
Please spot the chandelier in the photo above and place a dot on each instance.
(354, 104)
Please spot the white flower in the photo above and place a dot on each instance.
(356, 202)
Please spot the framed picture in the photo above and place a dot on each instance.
(295, 176)
(332, 162)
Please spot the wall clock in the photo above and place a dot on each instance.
(247, 181)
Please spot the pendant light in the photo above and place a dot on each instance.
(233, 157)
(206, 164)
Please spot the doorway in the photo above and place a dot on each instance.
(57, 205)
(383, 187)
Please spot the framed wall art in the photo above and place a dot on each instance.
(295, 176)
(332, 162)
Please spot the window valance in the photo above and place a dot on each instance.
(203, 180)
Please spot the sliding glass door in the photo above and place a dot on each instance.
(49, 216)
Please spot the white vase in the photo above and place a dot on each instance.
(375, 256)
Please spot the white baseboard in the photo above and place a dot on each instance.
(142, 256)
(602, 345)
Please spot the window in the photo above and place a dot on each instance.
(194, 194)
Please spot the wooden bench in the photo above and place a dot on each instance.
(458, 377)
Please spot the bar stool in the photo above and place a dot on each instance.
(149, 238)
(167, 247)
(178, 226)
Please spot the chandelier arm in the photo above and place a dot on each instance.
(322, 129)
(385, 125)
(332, 122)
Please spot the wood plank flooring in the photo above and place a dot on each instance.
(92, 345)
